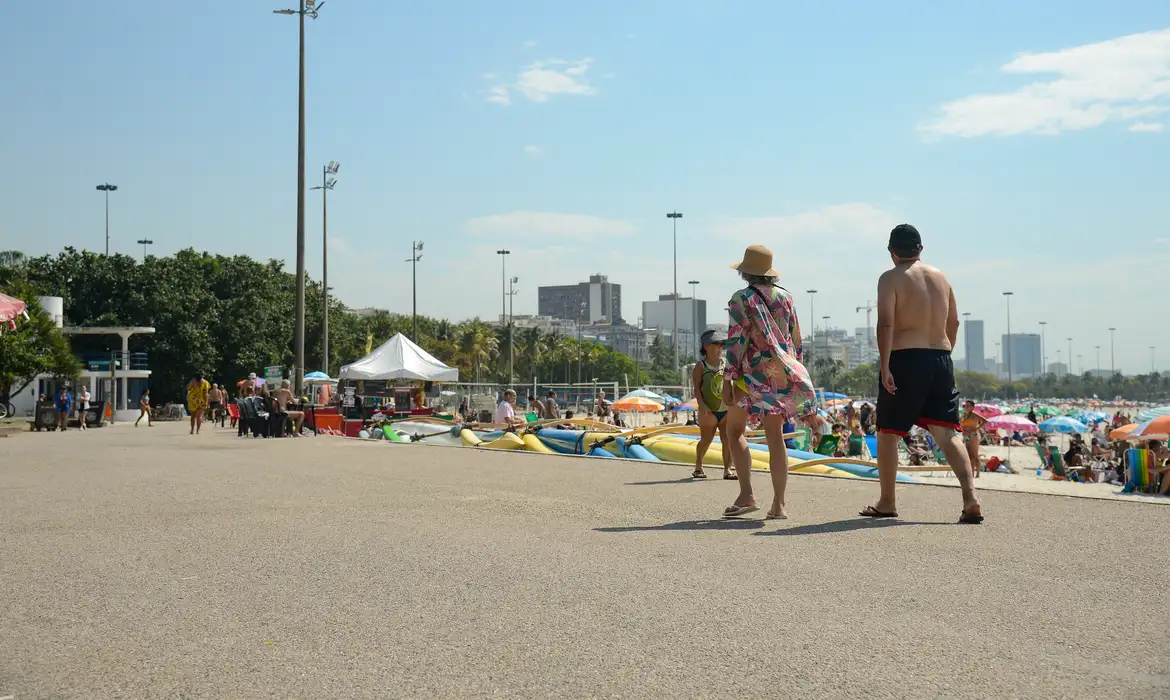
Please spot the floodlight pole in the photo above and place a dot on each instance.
(108, 188)
(326, 185)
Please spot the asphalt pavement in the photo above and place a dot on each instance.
(143, 563)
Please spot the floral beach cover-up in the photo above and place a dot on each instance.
(764, 350)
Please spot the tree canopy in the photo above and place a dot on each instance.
(35, 347)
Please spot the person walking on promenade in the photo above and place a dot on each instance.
(764, 375)
(918, 322)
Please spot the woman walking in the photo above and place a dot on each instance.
(82, 406)
(972, 424)
(707, 382)
(764, 375)
(144, 409)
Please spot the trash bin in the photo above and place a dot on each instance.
(45, 417)
(95, 415)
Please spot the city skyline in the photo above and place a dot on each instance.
(557, 134)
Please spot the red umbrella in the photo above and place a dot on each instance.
(10, 309)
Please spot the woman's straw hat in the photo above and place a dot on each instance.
(757, 260)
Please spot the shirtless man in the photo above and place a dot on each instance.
(917, 325)
(283, 398)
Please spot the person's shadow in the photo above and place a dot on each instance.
(684, 480)
(720, 524)
(846, 525)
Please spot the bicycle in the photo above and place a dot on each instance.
(7, 410)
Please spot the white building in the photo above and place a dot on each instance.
(116, 376)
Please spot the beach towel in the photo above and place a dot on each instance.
(1137, 477)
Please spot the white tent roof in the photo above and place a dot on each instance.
(398, 358)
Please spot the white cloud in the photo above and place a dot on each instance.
(543, 79)
(838, 223)
(532, 150)
(499, 94)
(536, 223)
(1118, 80)
(489, 76)
(1146, 127)
(530, 43)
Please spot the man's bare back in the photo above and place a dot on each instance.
(923, 304)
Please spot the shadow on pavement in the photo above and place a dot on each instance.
(721, 524)
(684, 480)
(849, 525)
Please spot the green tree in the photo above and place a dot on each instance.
(35, 347)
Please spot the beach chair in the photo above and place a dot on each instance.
(856, 446)
(871, 445)
(1138, 463)
(233, 411)
(1056, 463)
(1043, 455)
(936, 450)
(828, 445)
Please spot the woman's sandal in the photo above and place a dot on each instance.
(698, 474)
(730, 475)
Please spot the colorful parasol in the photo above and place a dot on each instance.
(1154, 429)
(1123, 432)
(636, 404)
(989, 410)
(1012, 423)
(11, 308)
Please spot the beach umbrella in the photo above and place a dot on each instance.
(1063, 424)
(1012, 423)
(1153, 429)
(989, 410)
(1123, 432)
(641, 394)
(636, 404)
(1152, 413)
(670, 400)
(830, 395)
(318, 378)
(1046, 411)
(692, 405)
(833, 403)
(1088, 416)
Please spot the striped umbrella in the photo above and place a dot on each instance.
(989, 410)
(1155, 429)
(1152, 413)
(1123, 432)
(1012, 423)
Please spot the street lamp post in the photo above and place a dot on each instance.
(144, 242)
(511, 344)
(967, 338)
(1112, 360)
(1043, 352)
(1152, 370)
(1070, 355)
(107, 188)
(1098, 368)
(415, 255)
(694, 318)
(305, 8)
(812, 314)
(1008, 349)
(674, 216)
(504, 295)
(327, 183)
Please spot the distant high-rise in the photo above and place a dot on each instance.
(973, 346)
(692, 314)
(1023, 354)
(595, 301)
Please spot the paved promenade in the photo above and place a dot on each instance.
(143, 563)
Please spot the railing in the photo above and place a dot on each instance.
(100, 361)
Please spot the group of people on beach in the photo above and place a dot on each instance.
(207, 401)
(756, 372)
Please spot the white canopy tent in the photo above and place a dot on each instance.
(399, 358)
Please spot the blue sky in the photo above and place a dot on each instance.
(1029, 146)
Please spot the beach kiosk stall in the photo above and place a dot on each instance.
(399, 372)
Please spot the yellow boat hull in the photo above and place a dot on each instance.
(682, 450)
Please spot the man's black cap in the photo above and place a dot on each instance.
(904, 236)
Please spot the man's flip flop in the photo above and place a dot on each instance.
(871, 512)
(698, 475)
(730, 477)
(736, 511)
(773, 516)
(970, 518)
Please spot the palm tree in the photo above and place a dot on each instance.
(532, 342)
(479, 345)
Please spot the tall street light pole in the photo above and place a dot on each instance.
(967, 338)
(1112, 361)
(674, 216)
(1152, 370)
(511, 345)
(327, 183)
(504, 296)
(1008, 296)
(694, 319)
(1098, 368)
(812, 314)
(306, 8)
(1070, 355)
(415, 255)
(107, 188)
(1043, 352)
(144, 242)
